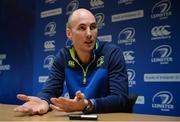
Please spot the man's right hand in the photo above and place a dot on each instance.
(33, 105)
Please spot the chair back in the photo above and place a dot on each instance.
(130, 104)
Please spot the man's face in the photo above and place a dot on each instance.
(83, 32)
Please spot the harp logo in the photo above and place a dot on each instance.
(50, 29)
(126, 36)
(48, 61)
(161, 10)
(162, 100)
(162, 54)
(131, 76)
(73, 5)
(100, 20)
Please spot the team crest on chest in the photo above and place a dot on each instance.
(71, 63)
(100, 61)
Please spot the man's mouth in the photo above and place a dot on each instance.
(88, 42)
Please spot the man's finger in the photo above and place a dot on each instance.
(56, 108)
(79, 95)
(18, 109)
(63, 103)
(57, 102)
(22, 109)
(22, 97)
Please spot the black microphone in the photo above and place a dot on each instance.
(83, 117)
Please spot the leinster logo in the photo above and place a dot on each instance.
(71, 63)
(100, 61)
(100, 20)
(73, 5)
(161, 9)
(162, 54)
(50, 29)
(126, 36)
(131, 77)
(48, 61)
(162, 100)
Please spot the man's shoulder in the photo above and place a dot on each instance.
(108, 46)
(61, 54)
(62, 51)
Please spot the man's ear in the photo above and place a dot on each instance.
(68, 33)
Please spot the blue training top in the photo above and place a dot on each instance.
(104, 79)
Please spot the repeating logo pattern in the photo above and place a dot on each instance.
(95, 4)
(100, 20)
(161, 32)
(4, 67)
(146, 34)
(162, 54)
(131, 77)
(161, 10)
(126, 36)
(129, 56)
(49, 45)
(48, 61)
(50, 29)
(163, 101)
(73, 5)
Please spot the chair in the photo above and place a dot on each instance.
(130, 103)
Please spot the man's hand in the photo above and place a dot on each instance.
(69, 105)
(33, 105)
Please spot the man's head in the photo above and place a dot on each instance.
(81, 30)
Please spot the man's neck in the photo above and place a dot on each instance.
(84, 57)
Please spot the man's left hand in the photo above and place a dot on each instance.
(70, 105)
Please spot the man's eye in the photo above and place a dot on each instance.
(82, 28)
(92, 27)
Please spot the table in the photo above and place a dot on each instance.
(7, 114)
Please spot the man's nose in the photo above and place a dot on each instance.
(88, 33)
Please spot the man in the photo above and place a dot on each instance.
(94, 72)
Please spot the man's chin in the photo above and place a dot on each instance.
(88, 49)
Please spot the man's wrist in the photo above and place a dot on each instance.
(89, 108)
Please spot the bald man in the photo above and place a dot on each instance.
(94, 72)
